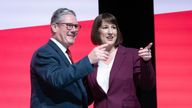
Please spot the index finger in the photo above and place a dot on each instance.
(149, 45)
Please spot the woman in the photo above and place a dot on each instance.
(114, 81)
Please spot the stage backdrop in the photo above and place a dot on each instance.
(24, 28)
(173, 45)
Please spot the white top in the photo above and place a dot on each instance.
(63, 49)
(103, 74)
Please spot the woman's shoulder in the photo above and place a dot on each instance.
(130, 49)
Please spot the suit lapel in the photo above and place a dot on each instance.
(58, 50)
(78, 83)
(119, 58)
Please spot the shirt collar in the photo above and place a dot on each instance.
(63, 49)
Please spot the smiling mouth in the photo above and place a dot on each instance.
(109, 37)
(71, 34)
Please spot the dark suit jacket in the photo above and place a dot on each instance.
(128, 73)
(55, 83)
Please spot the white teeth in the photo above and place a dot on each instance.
(110, 37)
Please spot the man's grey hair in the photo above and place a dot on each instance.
(60, 12)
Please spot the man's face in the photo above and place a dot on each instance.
(66, 30)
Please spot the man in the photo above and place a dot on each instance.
(55, 80)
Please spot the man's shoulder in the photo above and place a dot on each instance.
(45, 49)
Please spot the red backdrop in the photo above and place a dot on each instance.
(17, 47)
(173, 44)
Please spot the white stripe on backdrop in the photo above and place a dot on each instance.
(168, 6)
(24, 13)
(173, 41)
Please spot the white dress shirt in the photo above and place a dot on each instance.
(103, 74)
(63, 49)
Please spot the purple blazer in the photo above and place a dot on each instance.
(128, 72)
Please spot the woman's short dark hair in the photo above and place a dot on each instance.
(106, 17)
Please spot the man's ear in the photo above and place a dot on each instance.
(54, 27)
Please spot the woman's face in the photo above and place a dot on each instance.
(108, 33)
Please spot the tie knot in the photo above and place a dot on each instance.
(68, 52)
